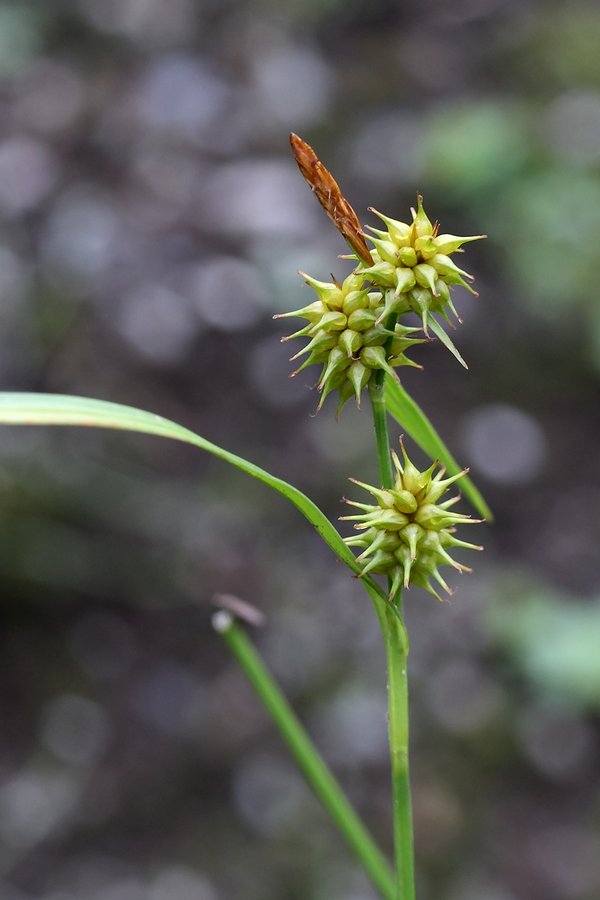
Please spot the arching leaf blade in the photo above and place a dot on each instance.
(20, 408)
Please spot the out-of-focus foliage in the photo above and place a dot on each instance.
(152, 222)
(554, 641)
(537, 186)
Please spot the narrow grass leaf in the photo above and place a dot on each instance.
(413, 420)
(57, 409)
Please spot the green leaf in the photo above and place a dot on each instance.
(444, 338)
(57, 409)
(412, 418)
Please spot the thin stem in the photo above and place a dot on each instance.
(307, 756)
(396, 646)
(377, 395)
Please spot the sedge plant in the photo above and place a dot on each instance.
(404, 530)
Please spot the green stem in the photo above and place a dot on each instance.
(377, 395)
(396, 646)
(306, 755)
(380, 419)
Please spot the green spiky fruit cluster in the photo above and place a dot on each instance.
(408, 532)
(412, 272)
(347, 337)
(413, 264)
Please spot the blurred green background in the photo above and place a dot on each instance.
(153, 221)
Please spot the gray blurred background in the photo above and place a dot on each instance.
(153, 221)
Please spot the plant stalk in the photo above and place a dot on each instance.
(377, 396)
(310, 762)
(396, 646)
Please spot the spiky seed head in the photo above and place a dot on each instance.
(415, 261)
(407, 533)
(409, 262)
(344, 336)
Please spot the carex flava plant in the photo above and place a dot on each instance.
(359, 332)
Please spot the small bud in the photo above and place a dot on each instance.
(374, 358)
(375, 336)
(438, 485)
(352, 283)
(405, 559)
(432, 544)
(329, 293)
(408, 256)
(313, 311)
(398, 231)
(321, 341)
(396, 576)
(337, 360)
(389, 519)
(333, 382)
(426, 276)
(405, 279)
(302, 332)
(420, 300)
(380, 540)
(383, 496)
(402, 360)
(426, 247)
(314, 357)
(448, 540)
(345, 393)
(358, 375)
(350, 341)
(331, 321)
(412, 534)
(404, 501)
(444, 293)
(444, 265)
(382, 273)
(432, 516)
(361, 319)
(420, 220)
(431, 568)
(386, 250)
(454, 278)
(378, 232)
(410, 477)
(394, 303)
(379, 562)
(400, 345)
(450, 243)
(355, 300)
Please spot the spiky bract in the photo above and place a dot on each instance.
(408, 532)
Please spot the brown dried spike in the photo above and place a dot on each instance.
(329, 195)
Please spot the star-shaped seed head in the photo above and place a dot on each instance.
(408, 531)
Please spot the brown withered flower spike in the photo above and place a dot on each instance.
(329, 195)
